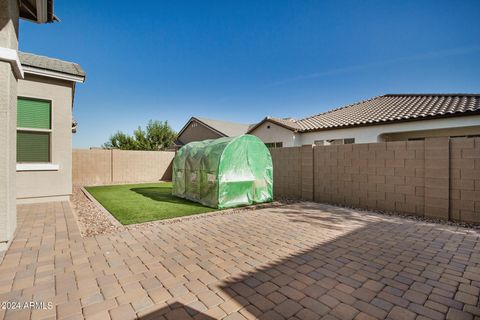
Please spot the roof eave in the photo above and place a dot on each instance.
(268, 119)
(54, 74)
(440, 116)
(203, 123)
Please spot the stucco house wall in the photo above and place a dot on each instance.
(455, 126)
(270, 132)
(37, 186)
(377, 133)
(9, 14)
(449, 132)
(196, 131)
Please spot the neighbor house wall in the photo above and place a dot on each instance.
(36, 186)
(8, 117)
(197, 131)
(377, 133)
(270, 132)
(438, 177)
(98, 167)
(451, 132)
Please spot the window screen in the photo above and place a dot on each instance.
(274, 144)
(33, 146)
(33, 130)
(33, 114)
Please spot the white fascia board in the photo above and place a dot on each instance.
(37, 167)
(11, 56)
(41, 11)
(53, 74)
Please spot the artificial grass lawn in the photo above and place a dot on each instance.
(136, 203)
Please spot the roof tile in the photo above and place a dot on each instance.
(387, 108)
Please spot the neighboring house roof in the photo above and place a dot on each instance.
(224, 128)
(33, 62)
(385, 109)
(287, 123)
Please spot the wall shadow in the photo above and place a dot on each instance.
(176, 311)
(167, 175)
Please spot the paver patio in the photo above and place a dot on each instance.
(301, 261)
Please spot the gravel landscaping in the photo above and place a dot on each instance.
(92, 220)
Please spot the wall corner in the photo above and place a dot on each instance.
(437, 178)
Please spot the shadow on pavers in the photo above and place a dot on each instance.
(377, 252)
(176, 311)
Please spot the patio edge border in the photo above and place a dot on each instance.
(110, 217)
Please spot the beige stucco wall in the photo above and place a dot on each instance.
(277, 133)
(34, 186)
(8, 116)
(451, 132)
(197, 132)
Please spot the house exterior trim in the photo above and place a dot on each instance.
(11, 56)
(267, 119)
(203, 124)
(53, 74)
(37, 167)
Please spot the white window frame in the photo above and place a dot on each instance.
(40, 166)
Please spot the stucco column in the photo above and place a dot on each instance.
(8, 114)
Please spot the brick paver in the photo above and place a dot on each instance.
(300, 261)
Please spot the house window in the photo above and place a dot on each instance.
(274, 144)
(340, 141)
(34, 129)
(468, 136)
(416, 139)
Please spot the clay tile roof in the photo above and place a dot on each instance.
(388, 108)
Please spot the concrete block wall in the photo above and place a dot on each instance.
(91, 167)
(465, 179)
(307, 173)
(287, 173)
(94, 167)
(378, 176)
(437, 177)
(135, 166)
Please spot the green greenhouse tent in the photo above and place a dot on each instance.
(224, 173)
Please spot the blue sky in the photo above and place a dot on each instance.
(244, 60)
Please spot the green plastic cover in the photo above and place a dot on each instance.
(224, 173)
